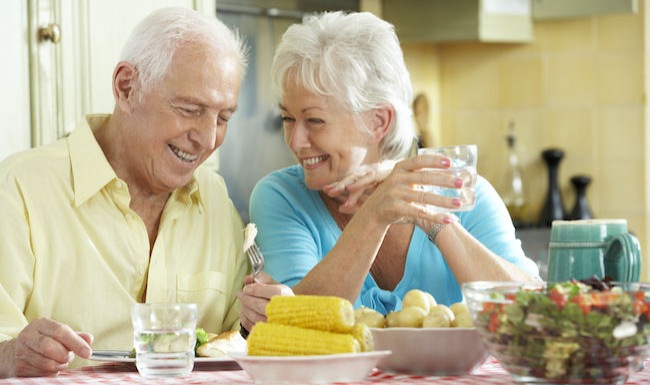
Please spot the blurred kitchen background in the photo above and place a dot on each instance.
(570, 75)
(254, 145)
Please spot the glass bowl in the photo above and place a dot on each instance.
(563, 333)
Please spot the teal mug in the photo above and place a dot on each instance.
(582, 249)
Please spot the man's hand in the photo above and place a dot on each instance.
(254, 297)
(43, 348)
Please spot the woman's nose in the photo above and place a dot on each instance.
(298, 136)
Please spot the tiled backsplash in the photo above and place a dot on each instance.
(579, 86)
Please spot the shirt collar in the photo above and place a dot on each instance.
(90, 168)
(91, 171)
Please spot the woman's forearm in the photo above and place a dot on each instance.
(470, 260)
(344, 269)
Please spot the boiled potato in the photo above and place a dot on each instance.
(420, 310)
(417, 298)
(432, 301)
(410, 317)
(369, 317)
(459, 307)
(437, 319)
(443, 309)
(462, 320)
(391, 319)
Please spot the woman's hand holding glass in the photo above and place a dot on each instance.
(463, 164)
(396, 194)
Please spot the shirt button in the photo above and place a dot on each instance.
(118, 184)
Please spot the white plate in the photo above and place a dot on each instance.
(123, 356)
(310, 369)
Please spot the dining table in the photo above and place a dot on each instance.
(490, 372)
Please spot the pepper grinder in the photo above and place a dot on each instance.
(581, 209)
(553, 209)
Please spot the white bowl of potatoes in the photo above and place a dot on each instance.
(426, 338)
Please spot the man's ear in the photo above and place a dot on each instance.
(380, 120)
(124, 77)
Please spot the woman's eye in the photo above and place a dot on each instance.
(315, 121)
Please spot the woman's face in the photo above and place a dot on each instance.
(328, 141)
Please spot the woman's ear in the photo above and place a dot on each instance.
(380, 120)
(124, 77)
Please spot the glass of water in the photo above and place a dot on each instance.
(164, 335)
(463, 164)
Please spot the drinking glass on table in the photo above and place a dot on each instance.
(164, 335)
(463, 164)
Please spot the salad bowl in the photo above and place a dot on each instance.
(574, 332)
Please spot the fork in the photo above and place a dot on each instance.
(256, 258)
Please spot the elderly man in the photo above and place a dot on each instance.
(120, 211)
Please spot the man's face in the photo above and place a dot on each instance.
(182, 119)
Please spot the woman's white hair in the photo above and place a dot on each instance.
(153, 42)
(355, 59)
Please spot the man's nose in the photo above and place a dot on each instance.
(206, 132)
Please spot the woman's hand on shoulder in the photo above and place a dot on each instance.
(358, 185)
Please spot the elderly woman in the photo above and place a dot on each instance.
(336, 223)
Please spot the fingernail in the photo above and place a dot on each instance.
(458, 182)
(445, 162)
(457, 202)
(447, 220)
(86, 352)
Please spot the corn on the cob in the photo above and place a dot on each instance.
(327, 313)
(361, 332)
(269, 339)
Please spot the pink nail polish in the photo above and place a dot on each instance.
(459, 182)
(445, 162)
(457, 202)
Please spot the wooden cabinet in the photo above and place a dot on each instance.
(460, 20)
(563, 9)
(14, 100)
(499, 21)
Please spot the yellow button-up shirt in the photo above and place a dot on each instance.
(72, 250)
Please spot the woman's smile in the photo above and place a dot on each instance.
(314, 161)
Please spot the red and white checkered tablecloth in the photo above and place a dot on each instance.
(229, 373)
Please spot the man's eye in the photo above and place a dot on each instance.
(188, 111)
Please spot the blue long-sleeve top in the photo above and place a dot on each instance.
(296, 231)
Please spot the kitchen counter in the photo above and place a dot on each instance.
(534, 241)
